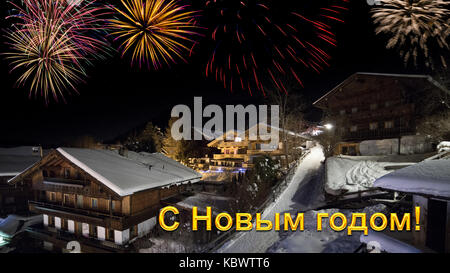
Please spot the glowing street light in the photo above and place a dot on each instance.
(328, 126)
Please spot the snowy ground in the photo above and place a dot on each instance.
(159, 245)
(303, 192)
(352, 174)
(326, 241)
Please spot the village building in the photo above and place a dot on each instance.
(14, 198)
(381, 109)
(428, 183)
(237, 153)
(101, 199)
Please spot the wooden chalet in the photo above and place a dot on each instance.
(428, 183)
(14, 198)
(238, 153)
(102, 199)
(371, 106)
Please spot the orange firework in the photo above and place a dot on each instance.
(154, 30)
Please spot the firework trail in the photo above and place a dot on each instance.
(155, 31)
(51, 41)
(261, 43)
(415, 27)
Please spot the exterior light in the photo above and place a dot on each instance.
(328, 126)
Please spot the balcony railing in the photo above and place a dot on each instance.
(79, 211)
(234, 156)
(377, 134)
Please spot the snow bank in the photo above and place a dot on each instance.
(443, 146)
(430, 177)
(352, 175)
(326, 241)
(408, 145)
(164, 246)
(386, 243)
(217, 203)
(14, 224)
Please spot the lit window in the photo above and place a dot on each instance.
(342, 112)
(354, 109)
(373, 125)
(52, 196)
(389, 124)
(373, 106)
(94, 203)
(354, 128)
(388, 103)
(238, 139)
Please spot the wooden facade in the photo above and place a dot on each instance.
(369, 106)
(79, 207)
(238, 154)
(13, 198)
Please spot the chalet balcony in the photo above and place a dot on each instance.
(68, 212)
(233, 156)
(117, 221)
(361, 135)
(64, 182)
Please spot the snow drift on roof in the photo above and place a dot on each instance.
(430, 177)
(17, 159)
(127, 175)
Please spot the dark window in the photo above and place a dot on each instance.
(66, 173)
(93, 231)
(110, 234)
(79, 228)
(65, 223)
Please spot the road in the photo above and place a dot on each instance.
(303, 192)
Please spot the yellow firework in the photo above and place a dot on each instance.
(47, 57)
(154, 30)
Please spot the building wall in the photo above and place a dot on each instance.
(120, 237)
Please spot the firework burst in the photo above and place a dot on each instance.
(259, 43)
(154, 30)
(50, 41)
(49, 60)
(414, 27)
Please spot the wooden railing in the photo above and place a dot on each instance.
(83, 212)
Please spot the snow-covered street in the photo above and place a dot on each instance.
(302, 193)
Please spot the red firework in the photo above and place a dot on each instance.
(259, 43)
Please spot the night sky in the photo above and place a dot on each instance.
(117, 98)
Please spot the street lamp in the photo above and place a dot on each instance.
(328, 126)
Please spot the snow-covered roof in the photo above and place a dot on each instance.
(15, 160)
(130, 174)
(261, 126)
(431, 177)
